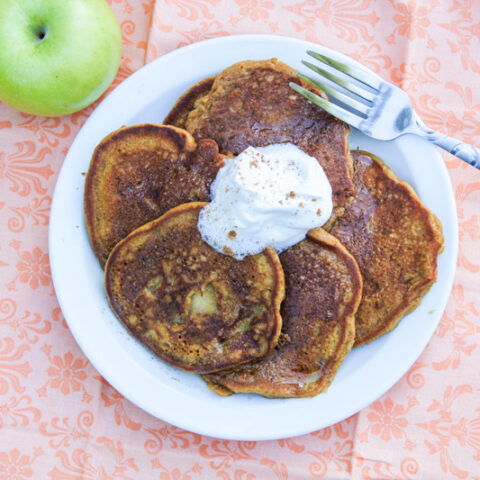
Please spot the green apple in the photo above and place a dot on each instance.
(56, 56)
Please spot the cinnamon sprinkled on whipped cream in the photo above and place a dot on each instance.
(266, 196)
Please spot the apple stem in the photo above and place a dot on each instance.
(41, 33)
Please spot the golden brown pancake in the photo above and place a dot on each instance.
(251, 104)
(395, 240)
(323, 289)
(186, 103)
(197, 309)
(137, 174)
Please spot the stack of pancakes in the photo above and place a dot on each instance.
(276, 325)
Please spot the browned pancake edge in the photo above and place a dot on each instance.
(186, 103)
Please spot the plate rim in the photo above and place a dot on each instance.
(173, 417)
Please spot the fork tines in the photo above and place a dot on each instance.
(350, 86)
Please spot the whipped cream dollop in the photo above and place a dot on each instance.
(266, 196)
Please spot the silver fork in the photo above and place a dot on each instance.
(373, 106)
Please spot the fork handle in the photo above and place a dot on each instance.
(464, 151)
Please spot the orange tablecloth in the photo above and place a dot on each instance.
(60, 420)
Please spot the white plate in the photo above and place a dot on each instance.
(181, 398)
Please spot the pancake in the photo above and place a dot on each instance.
(323, 289)
(138, 173)
(395, 240)
(186, 103)
(251, 104)
(197, 309)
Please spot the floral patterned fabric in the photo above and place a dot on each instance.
(60, 420)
